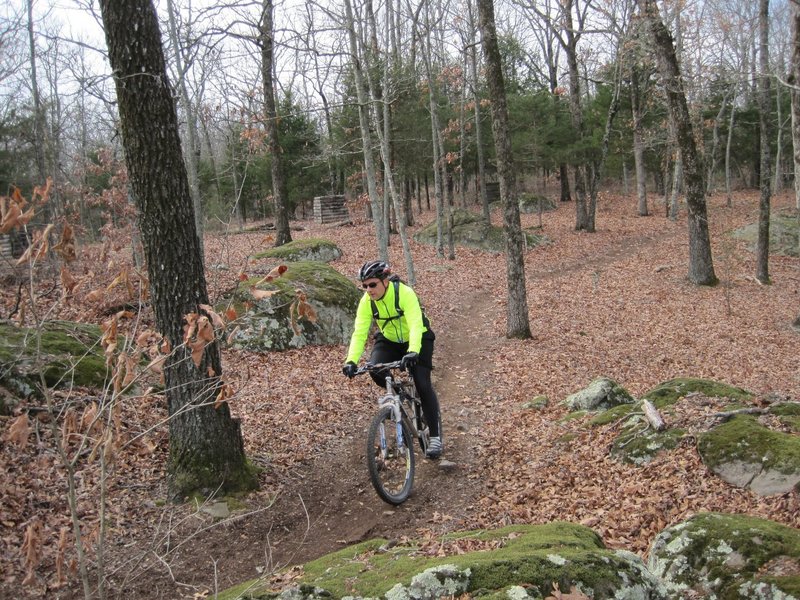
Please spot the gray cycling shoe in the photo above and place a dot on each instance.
(434, 449)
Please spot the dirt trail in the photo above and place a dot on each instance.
(330, 503)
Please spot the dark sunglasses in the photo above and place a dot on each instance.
(374, 284)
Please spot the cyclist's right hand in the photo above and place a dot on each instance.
(349, 369)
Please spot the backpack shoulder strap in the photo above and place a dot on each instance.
(375, 315)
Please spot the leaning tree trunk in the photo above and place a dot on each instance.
(206, 451)
(282, 233)
(701, 264)
(517, 309)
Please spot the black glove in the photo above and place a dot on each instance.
(349, 369)
(409, 360)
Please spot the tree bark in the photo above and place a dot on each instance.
(701, 264)
(192, 155)
(266, 38)
(206, 450)
(794, 79)
(638, 143)
(764, 114)
(39, 146)
(366, 138)
(517, 308)
(473, 62)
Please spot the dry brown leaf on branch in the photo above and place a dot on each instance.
(61, 554)
(65, 247)
(31, 550)
(38, 248)
(41, 194)
(95, 295)
(273, 274)
(10, 217)
(68, 282)
(304, 309)
(19, 431)
(262, 294)
(230, 314)
(225, 392)
(89, 418)
(216, 319)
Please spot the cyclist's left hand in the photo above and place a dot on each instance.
(409, 360)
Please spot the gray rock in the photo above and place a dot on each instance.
(724, 556)
(273, 324)
(601, 394)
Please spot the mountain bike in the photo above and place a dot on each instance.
(390, 440)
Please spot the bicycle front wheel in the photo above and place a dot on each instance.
(390, 457)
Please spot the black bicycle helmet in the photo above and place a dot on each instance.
(374, 268)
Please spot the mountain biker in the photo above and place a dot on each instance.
(404, 334)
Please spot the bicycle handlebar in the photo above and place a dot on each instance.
(369, 367)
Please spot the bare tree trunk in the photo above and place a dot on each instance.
(677, 183)
(518, 325)
(191, 155)
(39, 145)
(794, 79)
(712, 158)
(384, 139)
(701, 265)
(266, 38)
(478, 125)
(638, 144)
(206, 450)
(728, 146)
(366, 137)
(762, 246)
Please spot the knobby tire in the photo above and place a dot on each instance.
(390, 471)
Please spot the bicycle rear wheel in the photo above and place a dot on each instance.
(390, 465)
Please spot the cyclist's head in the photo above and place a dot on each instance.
(374, 269)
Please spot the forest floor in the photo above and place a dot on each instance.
(615, 303)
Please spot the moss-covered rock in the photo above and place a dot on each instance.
(532, 203)
(534, 556)
(745, 453)
(310, 249)
(726, 556)
(669, 392)
(471, 230)
(272, 323)
(65, 353)
(783, 234)
(601, 394)
(637, 444)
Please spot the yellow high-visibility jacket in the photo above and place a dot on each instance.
(407, 325)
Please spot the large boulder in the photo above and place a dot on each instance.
(783, 233)
(277, 322)
(714, 555)
(533, 203)
(470, 229)
(747, 451)
(62, 353)
(523, 561)
(310, 249)
(638, 444)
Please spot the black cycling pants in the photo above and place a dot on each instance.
(386, 351)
